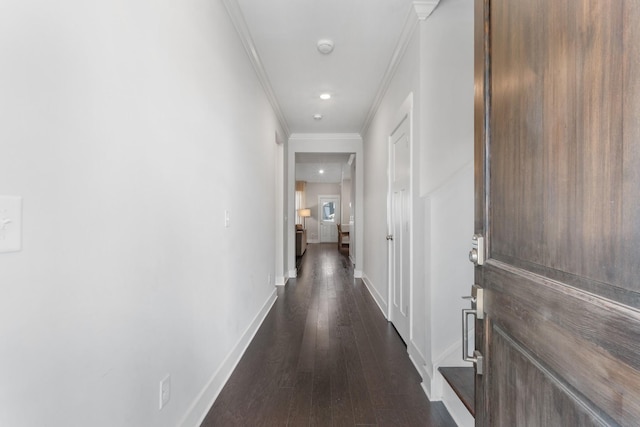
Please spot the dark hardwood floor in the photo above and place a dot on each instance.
(325, 356)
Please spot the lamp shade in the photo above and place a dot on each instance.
(304, 213)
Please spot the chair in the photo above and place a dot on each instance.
(343, 237)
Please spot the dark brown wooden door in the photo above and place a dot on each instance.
(558, 199)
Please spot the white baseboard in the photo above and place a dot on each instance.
(314, 241)
(357, 274)
(293, 273)
(452, 356)
(281, 280)
(454, 405)
(382, 304)
(417, 357)
(420, 363)
(203, 403)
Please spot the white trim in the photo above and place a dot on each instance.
(419, 11)
(326, 143)
(456, 408)
(424, 8)
(418, 360)
(382, 305)
(452, 356)
(293, 273)
(405, 113)
(324, 136)
(281, 280)
(205, 399)
(425, 388)
(235, 13)
(357, 274)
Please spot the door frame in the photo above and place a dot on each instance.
(405, 112)
(325, 143)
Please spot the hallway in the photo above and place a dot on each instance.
(325, 356)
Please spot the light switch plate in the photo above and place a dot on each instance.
(10, 224)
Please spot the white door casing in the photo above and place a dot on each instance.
(399, 214)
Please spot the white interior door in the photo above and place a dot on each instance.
(328, 218)
(399, 226)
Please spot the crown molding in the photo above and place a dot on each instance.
(324, 136)
(237, 18)
(419, 11)
(424, 8)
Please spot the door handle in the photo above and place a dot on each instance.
(389, 236)
(477, 356)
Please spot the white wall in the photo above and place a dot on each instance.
(437, 68)
(129, 127)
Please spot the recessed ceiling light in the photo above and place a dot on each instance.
(325, 96)
(317, 117)
(321, 171)
(325, 46)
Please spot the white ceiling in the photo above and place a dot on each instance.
(282, 37)
(334, 165)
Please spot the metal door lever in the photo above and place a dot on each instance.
(477, 356)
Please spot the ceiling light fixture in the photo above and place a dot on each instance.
(325, 96)
(325, 46)
(317, 117)
(321, 171)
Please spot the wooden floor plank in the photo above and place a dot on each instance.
(462, 381)
(325, 356)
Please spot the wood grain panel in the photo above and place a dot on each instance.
(564, 126)
(562, 284)
(560, 105)
(517, 65)
(538, 398)
(598, 131)
(569, 330)
(631, 140)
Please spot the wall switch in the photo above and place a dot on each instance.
(165, 391)
(10, 223)
(227, 219)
